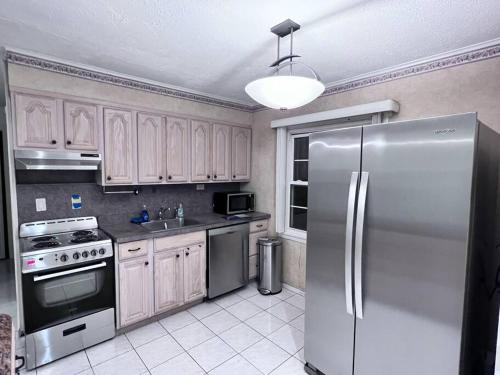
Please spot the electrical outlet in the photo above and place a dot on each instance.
(41, 204)
(200, 186)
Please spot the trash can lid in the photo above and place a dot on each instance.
(269, 241)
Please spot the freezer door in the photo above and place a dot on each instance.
(334, 162)
(414, 250)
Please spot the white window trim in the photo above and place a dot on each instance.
(376, 112)
(293, 232)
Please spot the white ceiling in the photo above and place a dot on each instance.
(217, 46)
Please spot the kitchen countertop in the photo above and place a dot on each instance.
(5, 344)
(121, 231)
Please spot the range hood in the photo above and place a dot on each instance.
(56, 160)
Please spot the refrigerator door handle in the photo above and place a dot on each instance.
(358, 245)
(351, 205)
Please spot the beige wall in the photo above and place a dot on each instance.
(472, 87)
(26, 77)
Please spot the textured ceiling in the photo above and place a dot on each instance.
(217, 46)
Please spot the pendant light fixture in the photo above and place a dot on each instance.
(285, 88)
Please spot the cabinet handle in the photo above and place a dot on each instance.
(208, 176)
(260, 225)
(169, 177)
(146, 263)
(187, 254)
(132, 250)
(54, 142)
(234, 176)
(108, 178)
(215, 176)
(161, 177)
(68, 142)
(177, 255)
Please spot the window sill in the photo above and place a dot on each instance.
(297, 237)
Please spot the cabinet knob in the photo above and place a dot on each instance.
(177, 255)
(161, 177)
(234, 176)
(68, 142)
(54, 142)
(169, 177)
(187, 254)
(108, 178)
(208, 176)
(215, 176)
(146, 263)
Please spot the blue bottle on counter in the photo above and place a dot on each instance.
(144, 214)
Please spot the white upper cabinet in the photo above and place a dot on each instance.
(150, 148)
(81, 126)
(119, 158)
(200, 151)
(221, 152)
(241, 151)
(177, 149)
(37, 124)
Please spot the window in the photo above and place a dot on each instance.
(297, 171)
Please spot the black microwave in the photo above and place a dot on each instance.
(230, 203)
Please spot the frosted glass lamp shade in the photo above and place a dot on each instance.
(284, 91)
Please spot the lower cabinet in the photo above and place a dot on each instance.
(258, 229)
(165, 274)
(194, 272)
(135, 287)
(169, 280)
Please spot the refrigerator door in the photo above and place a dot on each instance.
(414, 249)
(329, 322)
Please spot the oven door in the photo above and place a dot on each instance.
(59, 295)
(239, 203)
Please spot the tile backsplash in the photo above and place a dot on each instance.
(105, 206)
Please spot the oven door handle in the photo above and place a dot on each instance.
(68, 272)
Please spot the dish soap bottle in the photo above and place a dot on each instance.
(144, 214)
(180, 211)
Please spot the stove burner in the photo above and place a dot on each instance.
(46, 244)
(43, 239)
(83, 239)
(81, 233)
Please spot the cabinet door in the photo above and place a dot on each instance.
(135, 290)
(177, 149)
(169, 289)
(36, 121)
(200, 151)
(194, 272)
(150, 148)
(119, 144)
(80, 126)
(221, 152)
(241, 147)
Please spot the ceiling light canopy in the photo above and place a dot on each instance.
(286, 87)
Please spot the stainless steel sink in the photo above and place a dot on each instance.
(162, 225)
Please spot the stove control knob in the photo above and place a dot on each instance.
(93, 252)
(102, 251)
(63, 258)
(76, 256)
(85, 254)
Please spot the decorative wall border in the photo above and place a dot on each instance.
(93, 75)
(415, 68)
(466, 56)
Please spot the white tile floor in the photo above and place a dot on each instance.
(243, 333)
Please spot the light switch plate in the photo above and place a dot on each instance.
(200, 186)
(41, 204)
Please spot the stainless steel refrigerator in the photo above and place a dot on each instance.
(400, 242)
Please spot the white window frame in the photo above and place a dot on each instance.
(289, 128)
(293, 232)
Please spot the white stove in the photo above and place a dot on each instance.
(56, 243)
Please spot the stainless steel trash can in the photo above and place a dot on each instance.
(270, 254)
